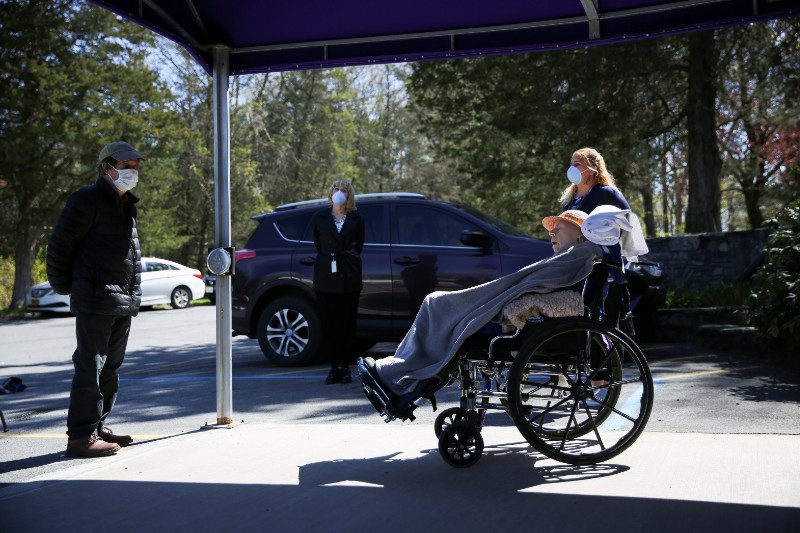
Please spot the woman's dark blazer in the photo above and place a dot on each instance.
(346, 248)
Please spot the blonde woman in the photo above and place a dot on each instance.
(339, 238)
(591, 184)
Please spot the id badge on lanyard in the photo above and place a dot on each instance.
(333, 264)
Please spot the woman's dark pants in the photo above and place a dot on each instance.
(338, 316)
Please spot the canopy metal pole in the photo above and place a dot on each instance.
(222, 227)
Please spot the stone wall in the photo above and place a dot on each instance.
(695, 261)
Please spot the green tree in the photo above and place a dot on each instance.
(74, 78)
(513, 122)
(665, 113)
(391, 152)
(774, 300)
(302, 130)
(759, 106)
(182, 226)
(299, 132)
(181, 223)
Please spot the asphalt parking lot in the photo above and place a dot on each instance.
(719, 449)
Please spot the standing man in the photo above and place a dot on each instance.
(93, 255)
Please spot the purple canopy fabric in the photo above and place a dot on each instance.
(275, 35)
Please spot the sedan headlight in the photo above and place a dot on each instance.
(39, 293)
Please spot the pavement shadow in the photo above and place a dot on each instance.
(174, 382)
(504, 469)
(32, 461)
(459, 501)
(766, 380)
(771, 390)
(181, 382)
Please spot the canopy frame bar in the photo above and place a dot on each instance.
(470, 31)
(590, 6)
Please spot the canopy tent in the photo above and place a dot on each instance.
(250, 36)
(266, 36)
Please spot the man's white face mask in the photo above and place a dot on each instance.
(127, 179)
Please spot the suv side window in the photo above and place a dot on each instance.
(429, 226)
(374, 223)
(294, 227)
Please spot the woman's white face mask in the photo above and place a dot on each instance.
(574, 175)
(339, 198)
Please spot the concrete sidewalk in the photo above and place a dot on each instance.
(358, 477)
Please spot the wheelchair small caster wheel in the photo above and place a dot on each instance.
(460, 445)
(446, 418)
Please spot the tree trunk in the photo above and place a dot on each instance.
(704, 161)
(665, 192)
(753, 179)
(752, 195)
(679, 193)
(24, 256)
(649, 216)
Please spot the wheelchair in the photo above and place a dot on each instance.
(578, 389)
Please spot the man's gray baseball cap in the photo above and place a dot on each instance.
(120, 151)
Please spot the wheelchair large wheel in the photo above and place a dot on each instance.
(460, 444)
(558, 409)
(601, 398)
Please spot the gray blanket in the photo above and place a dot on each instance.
(446, 319)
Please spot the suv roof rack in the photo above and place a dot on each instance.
(358, 197)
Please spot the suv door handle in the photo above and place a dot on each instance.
(405, 261)
(308, 261)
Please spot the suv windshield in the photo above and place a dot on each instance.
(501, 225)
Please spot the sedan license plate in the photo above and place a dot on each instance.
(34, 303)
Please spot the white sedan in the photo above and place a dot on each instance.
(163, 282)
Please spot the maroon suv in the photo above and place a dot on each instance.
(413, 246)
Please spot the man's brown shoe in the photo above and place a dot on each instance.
(107, 435)
(91, 446)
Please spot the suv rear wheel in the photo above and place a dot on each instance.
(289, 331)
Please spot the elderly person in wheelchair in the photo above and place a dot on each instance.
(435, 350)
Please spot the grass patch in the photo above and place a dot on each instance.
(7, 270)
(716, 295)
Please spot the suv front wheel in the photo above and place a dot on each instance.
(289, 331)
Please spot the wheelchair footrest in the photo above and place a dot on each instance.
(383, 400)
(389, 405)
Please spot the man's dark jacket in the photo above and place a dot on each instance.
(345, 246)
(93, 253)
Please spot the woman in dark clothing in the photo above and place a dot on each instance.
(339, 239)
(591, 185)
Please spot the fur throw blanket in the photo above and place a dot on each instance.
(555, 305)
